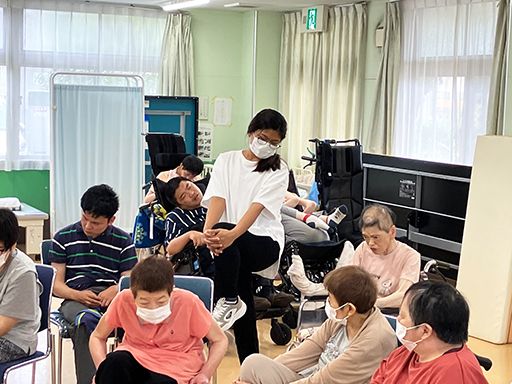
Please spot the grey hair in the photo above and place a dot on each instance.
(377, 215)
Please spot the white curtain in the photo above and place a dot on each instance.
(447, 48)
(496, 110)
(97, 139)
(177, 65)
(379, 137)
(46, 36)
(321, 78)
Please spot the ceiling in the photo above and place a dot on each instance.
(267, 5)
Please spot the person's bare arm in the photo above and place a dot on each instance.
(98, 341)
(217, 347)
(177, 244)
(219, 239)
(216, 208)
(6, 324)
(60, 289)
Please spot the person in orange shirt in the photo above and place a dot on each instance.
(164, 330)
(433, 329)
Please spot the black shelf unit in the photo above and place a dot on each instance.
(430, 200)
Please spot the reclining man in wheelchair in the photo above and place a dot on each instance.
(394, 265)
(184, 224)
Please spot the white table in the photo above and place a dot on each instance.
(32, 220)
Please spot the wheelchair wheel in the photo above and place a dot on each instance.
(280, 333)
(290, 318)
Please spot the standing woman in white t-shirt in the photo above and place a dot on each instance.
(243, 226)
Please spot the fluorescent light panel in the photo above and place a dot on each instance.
(169, 7)
(231, 5)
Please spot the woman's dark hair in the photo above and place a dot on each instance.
(171, 187)
(151, 275)
(9, 231)
(100, 200)
(268, 119)
(441, 306)
(352, 284)
(193, 164)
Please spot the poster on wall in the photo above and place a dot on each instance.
(222, 110)
(205, 141)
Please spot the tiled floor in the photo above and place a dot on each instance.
(500, 373)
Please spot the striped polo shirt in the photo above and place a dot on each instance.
(179, 221)
(93, 262)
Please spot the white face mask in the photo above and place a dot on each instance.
(156, 315)
(261, 149)
(400, 334)
(331, 312)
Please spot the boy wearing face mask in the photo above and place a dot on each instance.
(164, 330)
(347, 348)
(433, 329)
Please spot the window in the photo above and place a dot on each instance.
(447, 56)
(69, 37)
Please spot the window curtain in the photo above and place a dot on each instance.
(41, 37)
(321, 78)
(495, 112)
(177, 63)
(445, 73)
(379, 137)
(97, 139)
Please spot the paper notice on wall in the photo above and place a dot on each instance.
(205, 141)
(222, 109)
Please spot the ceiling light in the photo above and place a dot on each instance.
(174, 6)
(231, 5)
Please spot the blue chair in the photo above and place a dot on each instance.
(46, 276)
(56, 318)
(201, 286)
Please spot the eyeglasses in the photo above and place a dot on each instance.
(262, 141)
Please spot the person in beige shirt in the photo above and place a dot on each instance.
(346, 349)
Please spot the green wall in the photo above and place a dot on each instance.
(31, 187)
(268, 51)
(224, 64)
(222, 43)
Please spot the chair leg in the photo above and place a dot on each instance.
(59, 360)
(34, 373)
(53, 362)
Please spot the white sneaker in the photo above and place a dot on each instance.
(225, 314)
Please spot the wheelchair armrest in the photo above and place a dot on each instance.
(316, 298)
(484, 362)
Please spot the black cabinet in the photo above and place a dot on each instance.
(429, 199)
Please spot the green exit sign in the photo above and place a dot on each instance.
(311, 21)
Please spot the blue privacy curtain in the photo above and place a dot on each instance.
(96, 139)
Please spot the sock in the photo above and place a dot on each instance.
(299, 279)
(315, 222)
(339, 214)
(347, 254)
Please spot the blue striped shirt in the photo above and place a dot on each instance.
(93, 262)
(179, 221)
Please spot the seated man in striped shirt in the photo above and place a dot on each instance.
(90, 256)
